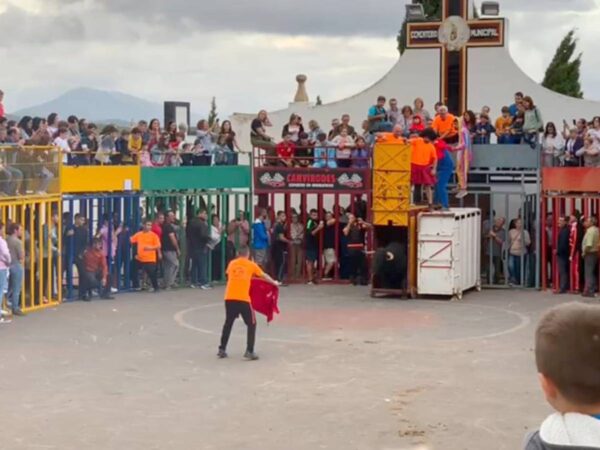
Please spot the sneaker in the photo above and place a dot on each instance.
(19, 313)
(222, 354)
(462, 194)
(4, 312)
(310, 283)
(251, 356)
(206, 287)
(192, 286)
(5, 320)
(114, 290)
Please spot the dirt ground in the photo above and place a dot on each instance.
(338, 370)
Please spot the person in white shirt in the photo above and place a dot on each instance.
(5, 261)
(344, 144)
(216, 234)
(62, 142)
(553, 145)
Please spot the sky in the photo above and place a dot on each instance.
(245, 53)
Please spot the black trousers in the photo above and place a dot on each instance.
(92, 280)
(151, 270)
(233, 309)
(563, 273)
(280, 260)
(358, 265)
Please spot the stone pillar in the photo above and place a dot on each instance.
(301, 94)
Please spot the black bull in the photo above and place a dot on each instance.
(389, 266)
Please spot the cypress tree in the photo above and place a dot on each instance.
(562, 75)
(212, 115)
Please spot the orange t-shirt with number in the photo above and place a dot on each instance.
(239, 276)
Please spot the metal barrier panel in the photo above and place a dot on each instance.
(29, 170)
(112, 217)
(208, 178)
(230, 220)
(41, 238)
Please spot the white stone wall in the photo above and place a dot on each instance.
(494, 78)
(416, 74)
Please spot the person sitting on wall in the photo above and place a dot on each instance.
(324, 153)
(286, 151)
(378, 117)
(444, 125)
(483, 130)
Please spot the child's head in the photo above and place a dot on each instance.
(567, 353)
(321, 137)
(505, 111)
(136, 132)
(287, 137)
(429, 135)
(588, 141)
(124, 133)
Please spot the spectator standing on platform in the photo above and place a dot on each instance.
(311, 244)
(2, 112)
(417, 126)
(238, 234)
(518, 242)
(483, 130)
(594, 131)
(324, 153)
(95, 273)
(154, 132)
(360, 154)
(25, 127)
(62, 143)
(335, 123)
(215, 247)
(553, 145)
(293, 128)
(135, 144)
(533, 122)
(261, 241)
(514, 108)
(394, 113)
(280, 247)
(53, 122)
(344, 144)
(170, 249)
(464, 156)
(296, 247)
(590, 153)
(107, 147)
(573, 144)
(419, 110)
(198, 236)
(314, 131)
(73, 127)
(562, 255)
(258, 134)
(445, 169)
(285, 152)
(516, 128)
(503, 124)
(378, 117)
(590, 247)
(16, 270)
(444, 125)
(355, 231)
(346, 124)
(424, 163)
(230, 140)
(469, 121)
(406, 119)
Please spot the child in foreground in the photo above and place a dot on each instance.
(567, 352)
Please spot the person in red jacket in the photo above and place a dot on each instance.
(286, 151)
(237, 300)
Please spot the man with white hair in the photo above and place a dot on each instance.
(444, 125)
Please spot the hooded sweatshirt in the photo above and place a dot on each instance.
(570, 431)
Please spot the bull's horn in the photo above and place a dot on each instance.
(389, 256)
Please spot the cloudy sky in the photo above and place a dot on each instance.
(244, 52)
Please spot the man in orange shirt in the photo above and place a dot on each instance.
(148, 252)
(424, 161)
(395, 137)
(444, 125)
(237, 300)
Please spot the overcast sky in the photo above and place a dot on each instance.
(244, 52)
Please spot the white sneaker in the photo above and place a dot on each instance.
(206, 287)
(462, 194)
(4, 312)
(114, 290)
(5, 320)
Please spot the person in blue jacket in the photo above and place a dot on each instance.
(260, 239)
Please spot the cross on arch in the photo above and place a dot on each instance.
(454, 35)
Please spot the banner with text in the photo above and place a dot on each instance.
(301, 179)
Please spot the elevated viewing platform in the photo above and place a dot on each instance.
(195, 177)
(84, 178)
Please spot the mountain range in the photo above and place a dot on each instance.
(97, 105)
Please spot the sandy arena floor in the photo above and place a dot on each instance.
(338, 370)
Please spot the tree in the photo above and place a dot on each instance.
(562, 75)
(433, 11)
(212, 115)
(319, 102)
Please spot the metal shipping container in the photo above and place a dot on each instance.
(449, 252)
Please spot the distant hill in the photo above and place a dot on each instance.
(97, 105)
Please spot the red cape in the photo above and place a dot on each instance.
(264, 297)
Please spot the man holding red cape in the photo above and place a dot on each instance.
(237, 300)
